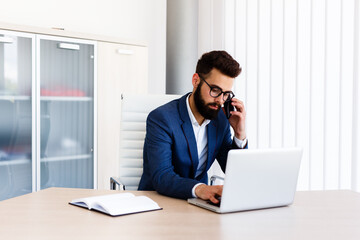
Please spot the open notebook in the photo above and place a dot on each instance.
(117, 204)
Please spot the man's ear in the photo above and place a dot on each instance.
(195, 80)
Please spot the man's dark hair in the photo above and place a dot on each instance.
(220, 60)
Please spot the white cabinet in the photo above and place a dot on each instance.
(47, 113)
(60, 106)
(121, 69)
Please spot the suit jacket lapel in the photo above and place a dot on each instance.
(189, 134)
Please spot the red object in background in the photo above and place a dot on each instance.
(62, 92)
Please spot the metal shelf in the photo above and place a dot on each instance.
(14, 162)
(15, 98)
(66, 158)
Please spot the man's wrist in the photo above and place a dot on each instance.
(240, 143)
(240, 136)
(193, 189)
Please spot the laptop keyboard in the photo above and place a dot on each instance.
(215, 204)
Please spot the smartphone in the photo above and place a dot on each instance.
(228, 107)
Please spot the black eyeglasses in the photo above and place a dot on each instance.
(216, 91)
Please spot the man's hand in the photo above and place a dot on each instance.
(237, 119)
(206, 192)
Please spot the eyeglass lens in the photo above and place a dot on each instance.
(216, 91)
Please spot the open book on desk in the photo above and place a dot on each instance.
(117, 204)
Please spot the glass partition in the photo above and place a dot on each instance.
(66, 113)
(16, 116)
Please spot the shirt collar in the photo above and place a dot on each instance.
(192, 117)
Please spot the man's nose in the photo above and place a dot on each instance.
(220, 99)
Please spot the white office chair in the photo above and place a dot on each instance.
(134, 111)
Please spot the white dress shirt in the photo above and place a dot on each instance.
(202, 142)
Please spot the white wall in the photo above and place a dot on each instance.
(356, 120)
(211, 26)
(300, 79)
(141, 20)
(182, 42)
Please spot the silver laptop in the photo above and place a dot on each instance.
(256, 179)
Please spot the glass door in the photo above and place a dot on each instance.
(17, 75)
(66, 83)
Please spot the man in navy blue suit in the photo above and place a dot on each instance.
(185, 136)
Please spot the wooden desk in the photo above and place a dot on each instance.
(47, 215)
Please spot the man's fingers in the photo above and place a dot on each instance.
(216, 193)
(211, 193)
(237, 113)
(213, 199)
(219, 190)
(238, 104)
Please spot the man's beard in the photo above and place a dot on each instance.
(204, 108)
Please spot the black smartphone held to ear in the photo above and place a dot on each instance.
(228, 107)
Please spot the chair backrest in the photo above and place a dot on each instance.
(134, 111)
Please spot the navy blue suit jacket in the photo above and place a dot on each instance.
(170, 150)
